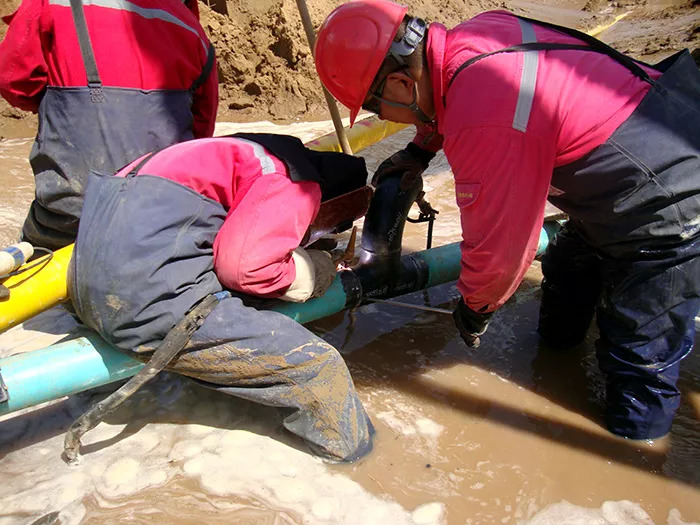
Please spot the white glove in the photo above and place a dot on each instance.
(315, 271)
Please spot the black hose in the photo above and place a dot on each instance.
(28, 266)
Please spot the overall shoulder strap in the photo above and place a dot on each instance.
(93, 77)
(531, 46)
(601, 47)
(206, 70)
(135, 170)
(594, 45)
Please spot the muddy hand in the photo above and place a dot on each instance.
(424, 206)
(471, 340)
(470, 324)
(410, 162)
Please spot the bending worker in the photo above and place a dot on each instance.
(111, 80)
(224, 213)
(527, 111)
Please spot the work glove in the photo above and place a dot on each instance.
(324, 271)
(470, 324)
(410, 162)
(315, 271)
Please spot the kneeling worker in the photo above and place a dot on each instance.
(225, 213)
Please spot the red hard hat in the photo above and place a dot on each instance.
(351, 46)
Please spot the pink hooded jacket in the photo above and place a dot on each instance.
(267, 213)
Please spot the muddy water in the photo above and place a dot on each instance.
(17, 187)
(508, 433)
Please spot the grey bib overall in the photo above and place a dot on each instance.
(95, 128)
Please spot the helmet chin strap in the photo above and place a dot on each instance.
(417, 111)
(413, 106)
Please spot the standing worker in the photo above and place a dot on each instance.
(224, 213)
(110, 80)
(527, 111)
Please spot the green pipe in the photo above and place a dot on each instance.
(547, 233)
(88, 362)
(334, 300)
(441, 262)
(61, 370)
(443, 267)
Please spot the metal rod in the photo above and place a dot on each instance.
(330, 101)
(409, 305)
(429, 241)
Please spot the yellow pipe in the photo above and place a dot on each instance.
(362, 135)
(603, 27)
(37, 289)
(44, 286)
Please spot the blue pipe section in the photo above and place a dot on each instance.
(547, 233)
(88, 362)
(61, 370)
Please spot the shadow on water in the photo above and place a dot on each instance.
(399, 352)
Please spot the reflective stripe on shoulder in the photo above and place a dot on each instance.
(124, 5)
(528, 79)
(267, 165)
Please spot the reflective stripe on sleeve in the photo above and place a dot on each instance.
(267, 165)
(528, 79)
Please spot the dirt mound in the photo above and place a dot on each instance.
(266, 69)
(6, 7)
(265, 64)
(674, 27)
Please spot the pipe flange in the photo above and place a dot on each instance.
(352, 288)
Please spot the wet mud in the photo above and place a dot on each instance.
(17, 183)
(510, 432)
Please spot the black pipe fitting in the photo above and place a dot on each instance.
(380, 268)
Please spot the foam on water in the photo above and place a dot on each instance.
(610, 513)
(122, 460)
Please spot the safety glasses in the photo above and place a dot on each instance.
(374, 104)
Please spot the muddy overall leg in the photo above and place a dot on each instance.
(267, 358)
(571, 289)
(647, 327)
(173, 343)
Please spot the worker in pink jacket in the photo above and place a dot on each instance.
(527, 111)
(197, 218)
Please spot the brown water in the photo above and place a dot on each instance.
(16, 187)
(502, 434)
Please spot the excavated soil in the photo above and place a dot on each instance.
(266, 68)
